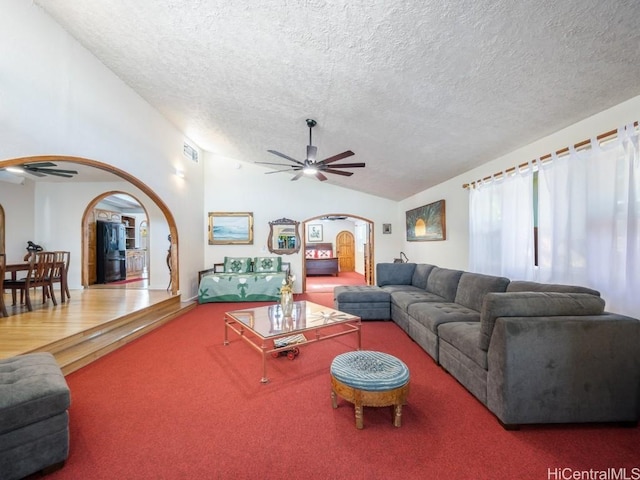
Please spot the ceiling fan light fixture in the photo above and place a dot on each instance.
(310, 166)
(14, 170)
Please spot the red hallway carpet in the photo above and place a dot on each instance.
(177, 404)
(326, 283)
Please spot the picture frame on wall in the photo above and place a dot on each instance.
(230, 228)
(386, 228)
(427, 223)
(314, 232)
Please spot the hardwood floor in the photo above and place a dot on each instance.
(92, 323)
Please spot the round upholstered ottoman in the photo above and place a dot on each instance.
(370, 379)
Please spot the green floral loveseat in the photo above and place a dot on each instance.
(243, 279)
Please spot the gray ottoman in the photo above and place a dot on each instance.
(366, 301)
(34, 422)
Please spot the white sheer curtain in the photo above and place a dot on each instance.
(501, 226)
(589, 220)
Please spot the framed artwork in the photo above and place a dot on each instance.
(427, 223)
(314, 233)
(386, 228)
(230, 228)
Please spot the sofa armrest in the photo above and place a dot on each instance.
(564, 369)
(202, 273)
(533, 304)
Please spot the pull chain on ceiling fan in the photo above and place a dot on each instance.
(312, 167)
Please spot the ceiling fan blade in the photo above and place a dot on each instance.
(312, 152)
(320, 176)
(349, 165)
(34, 171)
(58, 170)
(272, 163)
(57, 173)
(285, 156)
(338, 172)
(280, 171)
(337, 157)
(297, 176)
(39, 165)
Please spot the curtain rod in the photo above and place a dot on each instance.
(584, 144)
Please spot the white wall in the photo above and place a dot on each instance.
(18, 204)
(270, 197)
(56, 98)
(454, 252)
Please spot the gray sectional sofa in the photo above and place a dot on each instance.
(531, 353)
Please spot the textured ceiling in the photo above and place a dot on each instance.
(421, 91)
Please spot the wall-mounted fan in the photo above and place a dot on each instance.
(312, 167)
(40, 169)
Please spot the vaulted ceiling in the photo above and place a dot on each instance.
(421, 91)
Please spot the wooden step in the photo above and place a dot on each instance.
(85, 347)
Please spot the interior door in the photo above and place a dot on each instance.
(346, 251)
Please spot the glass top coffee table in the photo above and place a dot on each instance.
(268, 331)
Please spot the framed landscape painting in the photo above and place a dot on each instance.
(427, 223)
(230, 228)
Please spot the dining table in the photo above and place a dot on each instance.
(23, 266)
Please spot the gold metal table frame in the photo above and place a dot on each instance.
(261, 326)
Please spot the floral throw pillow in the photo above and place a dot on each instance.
(267, 264)
(237, 264)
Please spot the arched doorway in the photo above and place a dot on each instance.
(88, 236)
(368, 246)
(346, 251)
(173, 242)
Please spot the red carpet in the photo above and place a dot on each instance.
(130, 280)
(326, 283)
(177, 404)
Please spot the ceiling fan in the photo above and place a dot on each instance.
(312, 167)
(41, 169)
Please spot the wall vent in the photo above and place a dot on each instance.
(190, 152)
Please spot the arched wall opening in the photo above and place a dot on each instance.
(87, 220)
(369, 261)
(173, 242)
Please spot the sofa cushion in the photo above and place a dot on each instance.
(444, 282)
(360, 294)
(394, 273)
(408, 297)
(420, 275)
(237, 264)
(525, 286)
(267, 264)
(534, 304)
(474, 286)
(464, 337)
(431, 315)
(402, 288)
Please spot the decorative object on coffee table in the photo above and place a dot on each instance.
(286, 296)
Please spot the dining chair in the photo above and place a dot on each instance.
(38, 275)
(3, 265)
(60, 271)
